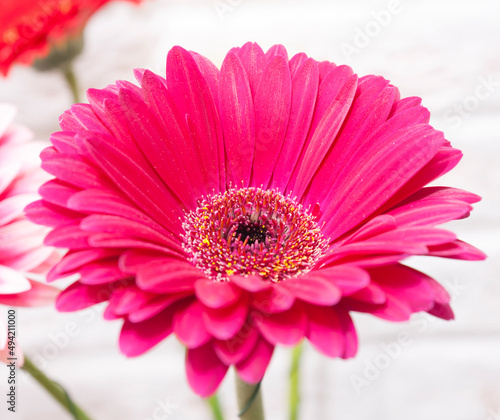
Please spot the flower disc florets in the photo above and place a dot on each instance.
(252, 231)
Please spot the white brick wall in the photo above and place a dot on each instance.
(440, 51)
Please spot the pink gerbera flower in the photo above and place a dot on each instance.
(22, 253)
(249, 207)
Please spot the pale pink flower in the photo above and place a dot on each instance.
(23, 257)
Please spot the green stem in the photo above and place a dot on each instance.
(213, 402)
(249, 400)
(56, 390)
(70, 77)
(294, 391)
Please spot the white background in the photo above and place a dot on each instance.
(448, 53)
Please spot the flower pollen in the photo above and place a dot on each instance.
(252, 231)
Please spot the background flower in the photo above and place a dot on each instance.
(23, 257)
(269, 156)
(29, 28)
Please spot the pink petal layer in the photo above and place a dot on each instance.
(253, 368)
(137, 338)
(204, 370)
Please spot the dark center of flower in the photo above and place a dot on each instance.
(252, 231)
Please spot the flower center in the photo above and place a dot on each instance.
(252, 231)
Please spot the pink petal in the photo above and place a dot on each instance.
(369, 111)
(444, 161)
(286, 328)
(273, 300)
(351, 338)
(179, 148)
(376, 226)
(238, 119)
(372, 178)
(82, 174)
(370, 294)
(224, 323)
(237, 348)
(193, 98)
(107, 202)
(80, 116)
(251, 283)
(101, 272)
(137, 338)
(216, 294)
(296, 61)
(76, 259)
(325, 331)
(254, 61)
(313, 288)
(139, 185)
(150, 136)
(393, 309)
(253, 368)
(134, 259)
(275, 50)
(405, 284)
(30, 261)
(204, 370)
(128, 299)
(57, 192)
(272, 110)
(39, 294)
(324, 136)
(157, 305)
(79, 296)
(348, 279)
(304, 92)
(432, 206)
(442, 311)
(210, 73)
(457, 250)
(120, 226)
(168, 276)
(110, 240)
(189, 327)
(48, 214)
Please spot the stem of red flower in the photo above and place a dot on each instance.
(70, 77)
(294, 391)
(213, 402)
(56, 390)
(249, 400)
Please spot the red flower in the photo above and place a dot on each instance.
(249, 207)
(28, 28)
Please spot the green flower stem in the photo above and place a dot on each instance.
(70, 77)
(294, 391)
(249, 400)
(61, 57)
(56, 390)
(213, 402)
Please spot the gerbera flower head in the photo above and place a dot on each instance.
(22, 253)
(249, 207)
(29, 28)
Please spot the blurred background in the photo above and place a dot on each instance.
(443, 51)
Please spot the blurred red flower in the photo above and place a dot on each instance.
(28, 28)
